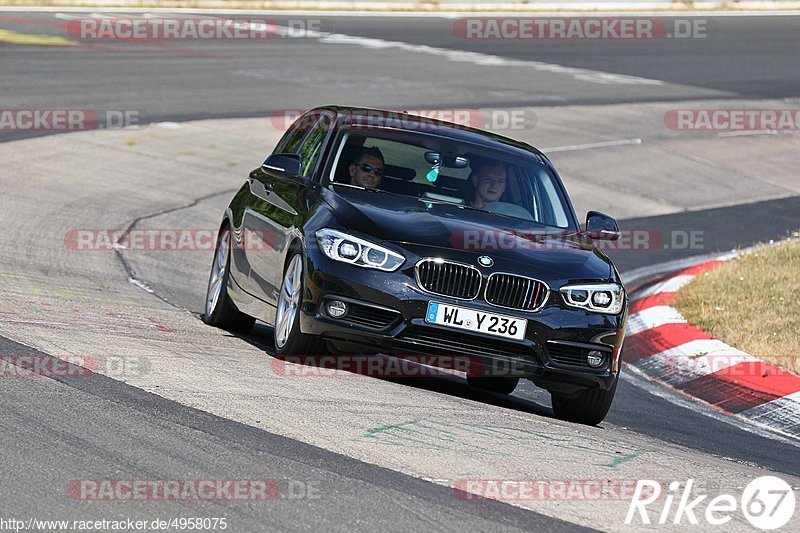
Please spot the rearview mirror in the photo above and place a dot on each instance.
(435, 158)
(601, 226)
(286, 163)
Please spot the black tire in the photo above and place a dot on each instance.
(296, 342)
(589, 407)
(222, 313)
(497, 385)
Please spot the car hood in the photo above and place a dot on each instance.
(421, 226)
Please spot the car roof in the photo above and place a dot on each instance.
(403, 121)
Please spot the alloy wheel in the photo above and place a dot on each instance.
(217, 278)
(289, 300)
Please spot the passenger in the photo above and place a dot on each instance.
(489, 179)
(367, 168)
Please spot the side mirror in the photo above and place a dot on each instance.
(286, 163)
(602, 227)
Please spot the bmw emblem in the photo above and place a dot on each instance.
(485, 261)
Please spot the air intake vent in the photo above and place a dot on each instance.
(371, 317)
(415, 339)
(566, 354)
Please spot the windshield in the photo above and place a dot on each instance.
(438, 169)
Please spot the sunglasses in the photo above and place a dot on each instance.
(369, 169)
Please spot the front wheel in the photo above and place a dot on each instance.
(289, 340)
(220, 311)
(589, 407)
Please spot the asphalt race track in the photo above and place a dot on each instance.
(358, 452)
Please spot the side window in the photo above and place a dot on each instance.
(291, 140)
(312, 147)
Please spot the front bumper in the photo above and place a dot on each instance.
(388, 316)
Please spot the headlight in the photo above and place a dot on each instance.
(605, 298)
(342, 247)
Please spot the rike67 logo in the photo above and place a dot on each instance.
(767, 503)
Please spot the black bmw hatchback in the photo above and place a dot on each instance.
(370, 231)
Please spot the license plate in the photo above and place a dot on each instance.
(470, 319)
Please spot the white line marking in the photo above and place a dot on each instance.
(97, 16)
(140, 284)
(480, 59)
(102, 16)
(670, 285)
(588, 146)
(631, 277)
(746, 133)
(477, 58)
(652, 318)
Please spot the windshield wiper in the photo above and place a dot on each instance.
(471, 208)
(512, 217)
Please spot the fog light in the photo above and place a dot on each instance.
(337, 308)
(594, 358)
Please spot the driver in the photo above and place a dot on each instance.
(489, 179)
(367, 168)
